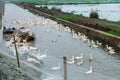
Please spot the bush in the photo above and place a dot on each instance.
(0, 56)
(94, 14)
(56, 9)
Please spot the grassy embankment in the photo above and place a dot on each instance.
(113, 29)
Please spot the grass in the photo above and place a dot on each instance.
(115, 22)
(56, 9)
(46, 3)
(70, 16)
(114, 30)
(59, 2)
(1, 57)
(114, 33)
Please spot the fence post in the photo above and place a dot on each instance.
(16, 51)
(65, 67)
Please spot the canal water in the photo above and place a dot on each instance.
(106, 11)
(59, 43)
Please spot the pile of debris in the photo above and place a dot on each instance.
(22, 34)
(8, 30)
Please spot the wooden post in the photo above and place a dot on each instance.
(6, 76)
(16, 51)
(65, 67)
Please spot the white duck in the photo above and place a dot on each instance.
(56, 67)
(79, 57)
(111, 51)
(94, 45)
(71, 58)
(29, 59)
(49, 78)
(90, 71)
(109, 47)
(43, 55)
(32, 48)
(91, 57)
(71, 62)
(54, 40)
(98, 43)
(80, 63)
(39, 56)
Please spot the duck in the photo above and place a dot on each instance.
(79, 57)
(49, 78)
(54, 40)
(95, 45)
(29, 59)
(92, 42)
(71, 61)
(91, 57)
(80, 63)
(90, 71)
(40, 57)
(98, 43)
(32, 48)
(71, 58)
(109, 47)
(111, 51)
(56, 67)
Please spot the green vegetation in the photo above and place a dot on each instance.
(1, 56)
(56, 9)
(66, 1)
(47, 3)
(70, 16)
(114, 30)
(94, 14)
(114, 33)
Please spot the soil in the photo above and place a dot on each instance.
(95, 23)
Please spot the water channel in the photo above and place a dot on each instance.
(105, 66)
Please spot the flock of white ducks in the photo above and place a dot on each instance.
(79, 61)
(27, 23)
(80, 36)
